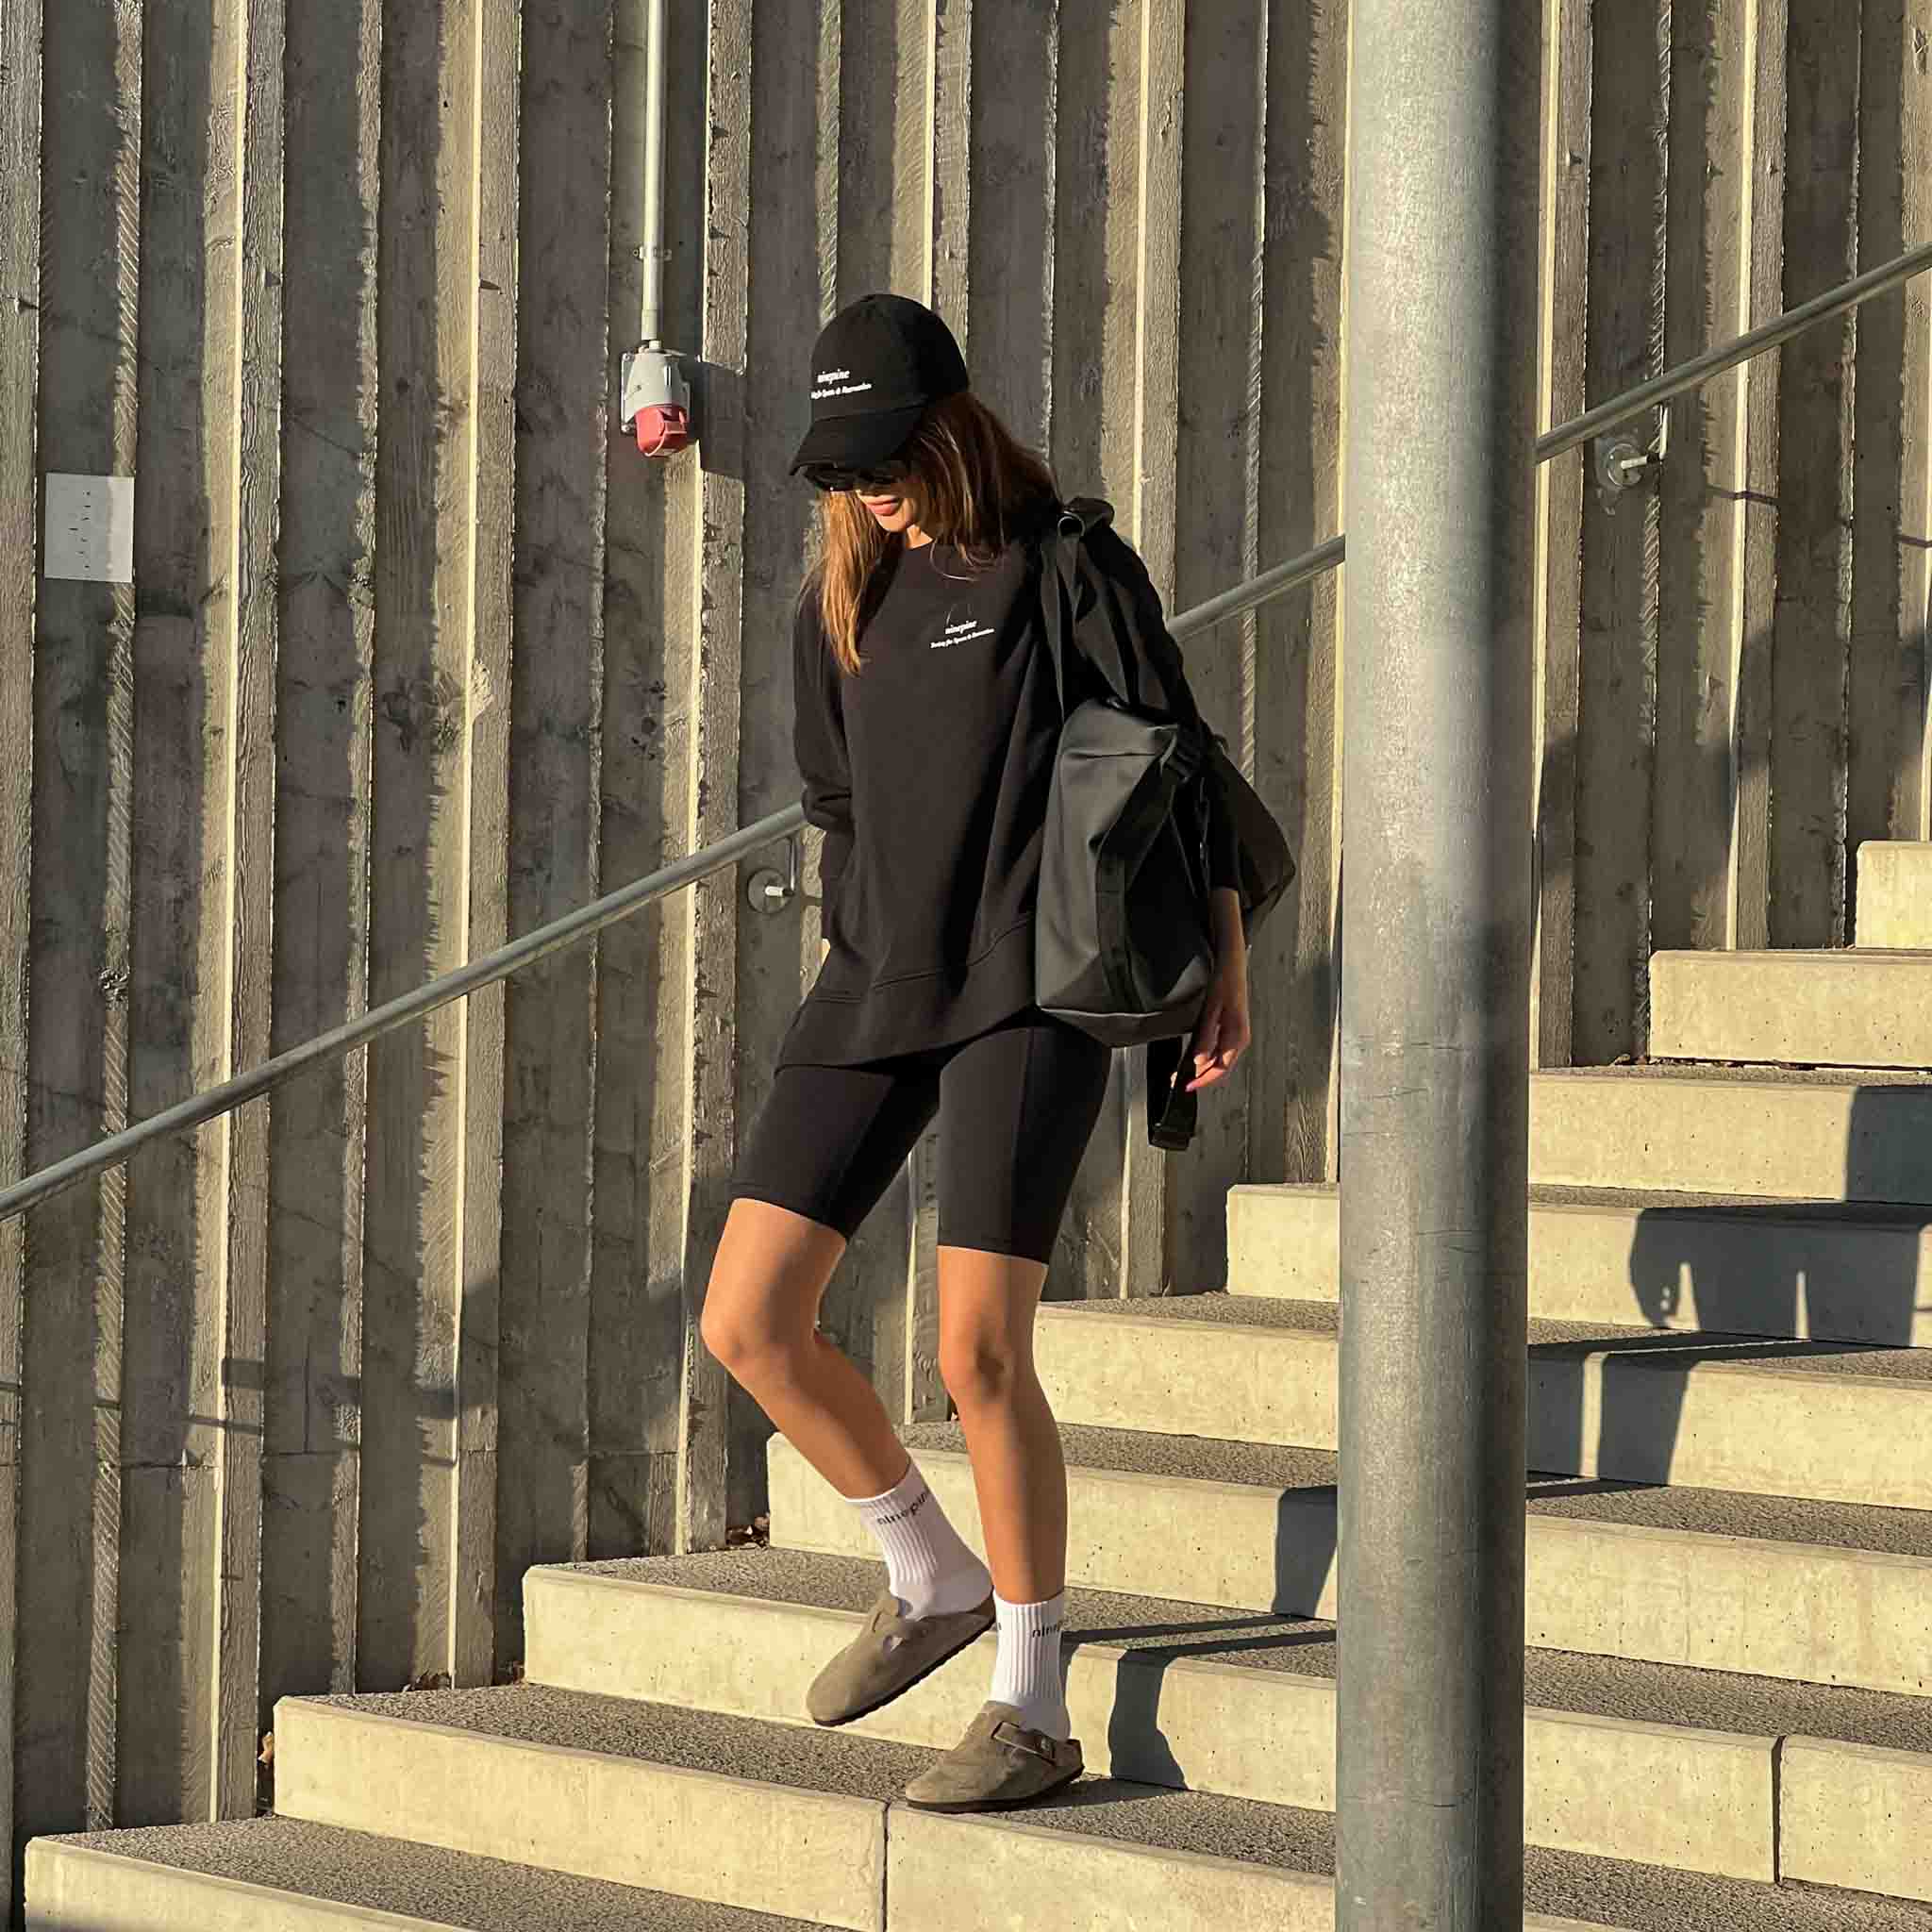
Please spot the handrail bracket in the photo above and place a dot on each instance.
(1623, 462)
(771, 890)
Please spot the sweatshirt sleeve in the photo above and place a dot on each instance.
(1120, 624)
(818, 740)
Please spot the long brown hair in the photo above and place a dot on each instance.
(976, 485)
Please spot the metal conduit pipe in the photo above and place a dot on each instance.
(657, 396)
(652, 249)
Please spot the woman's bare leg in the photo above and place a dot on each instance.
(987, 1306)
(760, 1321)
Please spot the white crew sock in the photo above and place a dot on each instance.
(1028, 1673)
(927, 1567)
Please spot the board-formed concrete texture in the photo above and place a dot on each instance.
(1817, 1271)
(1861, 1008)
(280, 1875)
(1894, 894)
(1638, 1405)
(1769, 1586)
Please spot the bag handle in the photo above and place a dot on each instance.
(1172, 1111)
(1056, 591)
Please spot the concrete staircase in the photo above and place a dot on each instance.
(1730, 1584)
(1871, 1006)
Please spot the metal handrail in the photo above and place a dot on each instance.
(1700, 369)
(472, 977)
(580, 925)
(1271, 583)
(568, 930)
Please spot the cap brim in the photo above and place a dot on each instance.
(855, 443)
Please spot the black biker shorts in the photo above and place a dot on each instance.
(1016, 1106)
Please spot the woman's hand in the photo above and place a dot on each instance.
(1223, 1032)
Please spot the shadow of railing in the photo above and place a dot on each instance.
(1754, 1281)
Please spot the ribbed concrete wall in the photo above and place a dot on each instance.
(419, 656)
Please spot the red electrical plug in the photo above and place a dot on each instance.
(662, 429)
(657, 402)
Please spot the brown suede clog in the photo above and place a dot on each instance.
(998, 1764)
(890, 1653)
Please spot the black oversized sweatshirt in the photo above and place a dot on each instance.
(928, 770)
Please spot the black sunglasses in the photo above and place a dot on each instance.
(840, 476)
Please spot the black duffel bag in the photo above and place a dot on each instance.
(1124, 936)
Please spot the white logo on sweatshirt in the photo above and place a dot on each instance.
(961, 631)
(837, 382)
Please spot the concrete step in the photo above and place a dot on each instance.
(1894, 907)
(758, 1815)
(1707, 1411)
(1187, 1862)
(573, 1781)
(280, 1875)
(1850, 1008)
(1821, 1593)
(1825, 1134)
(1824, 1271)
(1639, 1761)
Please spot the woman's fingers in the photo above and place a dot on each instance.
(1208, 1044)
(1221, 1038)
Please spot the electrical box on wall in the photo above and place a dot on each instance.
(89, 533)
(657, 401)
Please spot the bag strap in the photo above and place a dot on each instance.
(1147, 808)
(1053, 597)
(1060, 553)
(1172, 1111)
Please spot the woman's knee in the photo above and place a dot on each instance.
(982, 1368)
(734, 1336)
(756, 1347)
(761, 1302)
(748, 1322)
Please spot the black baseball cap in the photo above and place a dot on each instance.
(876, 367)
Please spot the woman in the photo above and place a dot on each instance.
(926, 725)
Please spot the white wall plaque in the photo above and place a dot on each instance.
(89, 528)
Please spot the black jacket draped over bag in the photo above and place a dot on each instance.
(932, 772)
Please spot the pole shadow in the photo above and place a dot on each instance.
(1138, 1746)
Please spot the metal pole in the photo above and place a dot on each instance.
(652, 251)
(1435, 964)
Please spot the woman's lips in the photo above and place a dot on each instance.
(880, 505)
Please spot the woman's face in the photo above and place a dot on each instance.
(894, 509)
